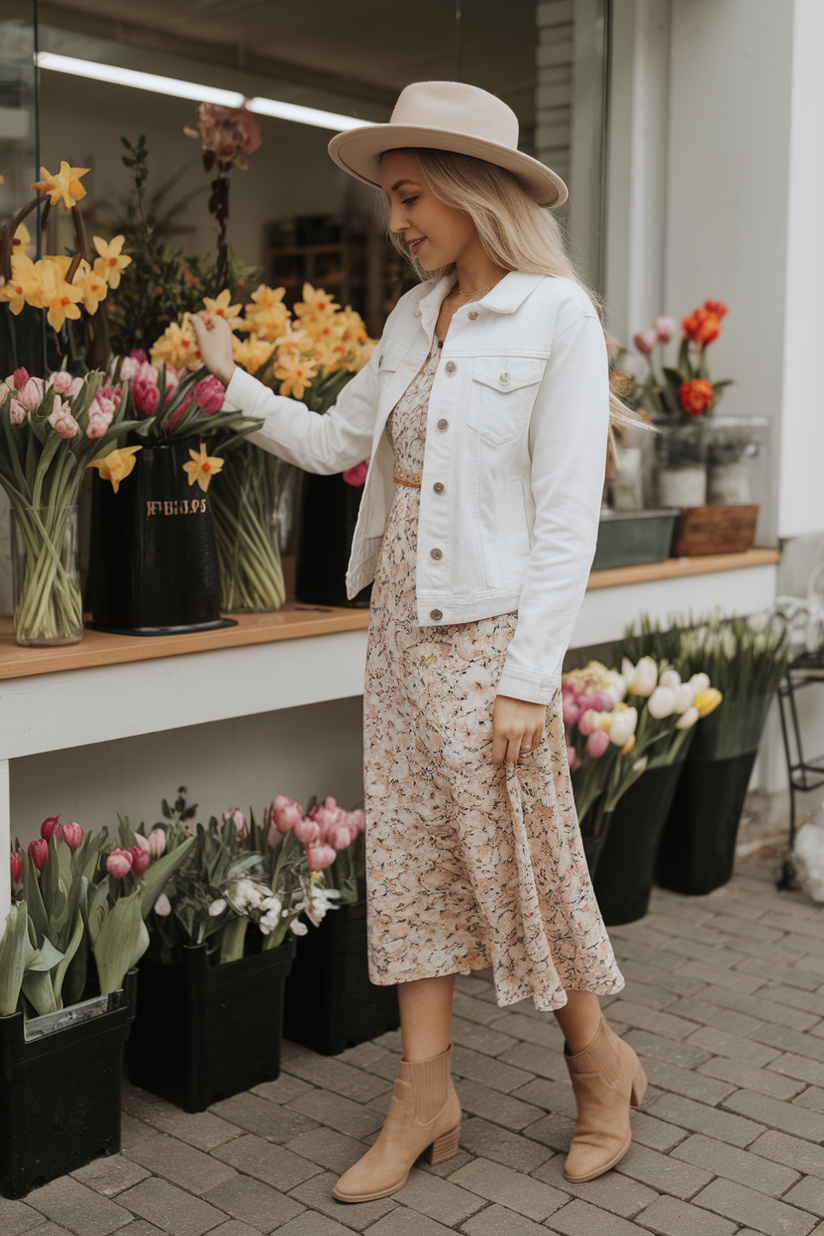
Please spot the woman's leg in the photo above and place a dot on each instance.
(426, 1017)
(424, 1113)
(579, 1019)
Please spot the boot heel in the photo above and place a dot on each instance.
(444, 1147)
(639, 1085)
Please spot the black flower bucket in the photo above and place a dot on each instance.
(328, 512)
(153, 566)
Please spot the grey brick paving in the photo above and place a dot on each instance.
(724, 1002)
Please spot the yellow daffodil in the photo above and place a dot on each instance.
(176, 346)
(707, 701)
(295, 375)
(21, 285)
(316, 303)
(111, 261)
(266, 314)
(202, 468)
(117, 465)
(220, 305)
(59, 298)
(63, 187)
(21, 241)
(93, 288)
(251, 353)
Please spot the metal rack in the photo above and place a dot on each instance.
(804, 775)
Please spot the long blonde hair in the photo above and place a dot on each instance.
(516, 233)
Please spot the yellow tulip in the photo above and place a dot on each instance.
(117, 465)
(707, 701)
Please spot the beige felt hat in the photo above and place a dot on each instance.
(448, 116)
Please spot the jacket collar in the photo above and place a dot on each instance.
(506, 296)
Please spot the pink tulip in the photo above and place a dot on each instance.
(62, 421)
(645, 341)
(39, 851)
(572, 712)
(307, 831)
(339, 836)
(600, 701)
(139, 355)
(119, 863)
(19, 378)
(357, 820)
(157, 842)
(177, 416)
(210, 395)
(665, 328)
(286, 813)
(597, 743)
(239, 820)
(142, 841)
(65, 384)
(50, 825)
(320, 856)
(72, 834)
(16, 867)
(587, 722)
(357, 475)
(144, 390)
(17, 414)
(129, 368)
(140, 859)
(31, 395)
(172, 382)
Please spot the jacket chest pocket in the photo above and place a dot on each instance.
(502, 394)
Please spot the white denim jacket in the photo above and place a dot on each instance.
(516, 438)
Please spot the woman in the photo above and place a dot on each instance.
(480, 548)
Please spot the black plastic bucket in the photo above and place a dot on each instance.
(593, 846)
(153, 566)
(326, 524)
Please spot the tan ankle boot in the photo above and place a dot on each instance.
(607, 1078)
(425, 1114)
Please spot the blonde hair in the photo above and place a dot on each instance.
(516, 233)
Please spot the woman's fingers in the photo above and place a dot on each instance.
(517, 727)
(214, 339)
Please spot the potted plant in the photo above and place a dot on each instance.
(73, 935)
(330, 1002)
(745, 661)
(209, 1020)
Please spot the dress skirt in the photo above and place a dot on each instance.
(468, 865)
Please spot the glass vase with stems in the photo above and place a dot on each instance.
(244, 508)
(48, 606)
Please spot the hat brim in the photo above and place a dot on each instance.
(358, 152)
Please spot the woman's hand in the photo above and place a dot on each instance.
(214, 338)
(517, 727)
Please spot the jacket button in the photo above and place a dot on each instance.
(473, 317)
(451, 366)
(443, 424)
(438, 487)
(436, 553)
(504, 378)
(435, 615)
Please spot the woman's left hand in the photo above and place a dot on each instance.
(517, 727)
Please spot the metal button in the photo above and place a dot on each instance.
(438, 487)
(451, 366)
(436, 553)
(435, 615)
(442, 424)
(504, 378)
(473, 316)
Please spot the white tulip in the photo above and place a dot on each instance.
(661, 703)
(699, 683)
(617, 688)
(688, 719)
(628, 673)
(217, 908)
(683, 697)
(623, 726)
(646, 677)
(670, 678)
(163, 906)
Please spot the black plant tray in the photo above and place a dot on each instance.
(60, 1104)
(205, 1032)
(330, 1002)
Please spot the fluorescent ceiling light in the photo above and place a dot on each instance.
(192, 90)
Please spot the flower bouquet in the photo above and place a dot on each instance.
(72, 937)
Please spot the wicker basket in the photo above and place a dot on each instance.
(714, 530)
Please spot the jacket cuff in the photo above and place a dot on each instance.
(243, 392)
(530, 690)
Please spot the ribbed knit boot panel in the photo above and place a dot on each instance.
(431, 1082)
(607, 1078)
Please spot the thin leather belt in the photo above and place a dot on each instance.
(409, 484)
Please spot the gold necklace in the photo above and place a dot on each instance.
(476, 292)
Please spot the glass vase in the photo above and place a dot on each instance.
(48, 606)
(244, 508)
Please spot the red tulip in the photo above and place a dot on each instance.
(16, 867)
(119, 863)
(320, 856)
(39, 851)
(50, 826)
(72, 834)
(357, 820)
(210, 395)
(645, 341)
(307, 831)
(286, 813)
(140, 859)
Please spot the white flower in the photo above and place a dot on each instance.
(623, 726)
(628, 672)
(217, 907)
(616, 688)
(683, 697)
(299, 928)
(661, 703)
(699, 683)
(688, 719)
(163, 906)
(646, 677)
(670, 678)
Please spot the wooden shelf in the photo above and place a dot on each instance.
(677, 568)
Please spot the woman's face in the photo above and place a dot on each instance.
(436, 234)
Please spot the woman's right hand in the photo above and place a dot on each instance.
(214, 338)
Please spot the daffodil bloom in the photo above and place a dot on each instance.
(21, 241)
(111, 261)
(60, 298)
(202, 467)
(64, 187)
(707, 701)
(220, 306)
(316, 302)
(117, 465)
(177, 346)
(94, 288)
(251, 353)
(295, 375)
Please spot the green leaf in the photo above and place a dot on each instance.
(34, 898)
(62, 966)
(158, 873)
(121, 941)
(15, 952)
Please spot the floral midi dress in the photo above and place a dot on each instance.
(468, 865)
